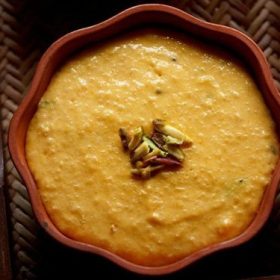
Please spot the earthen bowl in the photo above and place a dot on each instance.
(148, 15)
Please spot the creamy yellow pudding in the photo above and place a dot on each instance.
(83, 175)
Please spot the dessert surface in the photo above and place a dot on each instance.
(83, 175)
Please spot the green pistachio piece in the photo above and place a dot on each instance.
(151, 144)
(158, 139)
(154, 147)
(136, 139)
(124, 138)
(169, 140)
(146, 172)
(165, 161)
(176, 152)
(162, 127)
(139, 164)
(142, 150)
(187, 141)
(153, 153)
(148, 161)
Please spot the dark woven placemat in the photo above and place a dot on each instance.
(27, 28)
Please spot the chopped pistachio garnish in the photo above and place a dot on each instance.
(148, 161)
(162, 149)
(154, 153)
(142, 150)
(162, 127)
(166, 161)
(147, 171)
(139, 164)
(124, 138)
(158, 139)
(153, 146)
(169, 140)
(149, 142)
(176, 152)
(136, 138)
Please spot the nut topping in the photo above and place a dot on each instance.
(150, 154)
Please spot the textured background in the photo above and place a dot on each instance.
(27, 28)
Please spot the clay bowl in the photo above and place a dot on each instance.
(149, 15)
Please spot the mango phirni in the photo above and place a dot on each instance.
(84, 176)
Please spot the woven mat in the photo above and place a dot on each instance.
(27, 28)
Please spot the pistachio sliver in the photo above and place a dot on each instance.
(187, 141)
(149, 142)
(148, 161)
(176, 152)
(136, 139)
(124, 138)
(166, 161)
(139, 164)
(162, 127)
(174, 132)
(142, 150)
(169, 140)
(158, 139)
(153, 153)
(146, 172)
(154, 147)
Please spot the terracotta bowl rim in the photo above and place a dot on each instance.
(40, 212)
